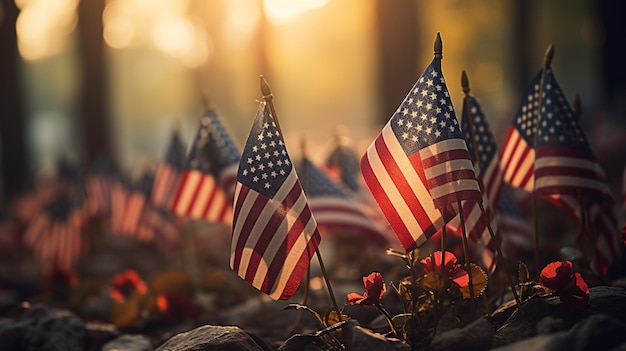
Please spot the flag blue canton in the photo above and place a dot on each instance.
(425, 116)
(558, 125)
(265, 163)
(315, 183)
(144, 184)
(348, 163)
(484, 138)
(526, 118)
(212, 148)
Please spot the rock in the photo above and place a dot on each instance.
(99, 333)
(526, 322)
(477, 335)
(214, 338)
(549, 325)
(128, 342)
(43, 328)
(363, 339)
(597, 332)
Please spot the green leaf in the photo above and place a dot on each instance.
(479, 280)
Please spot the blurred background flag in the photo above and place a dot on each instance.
(98, 186)
(419, 163)
(199, 194)
(136, 204)
(274, 232)
(168, 173)
(342, 165)
(334, 211)
(56, 229)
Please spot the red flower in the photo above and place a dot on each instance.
(176, 303)
(569, 285)
(125, 283)
(624, 235)
(451, 269)
(374, 290)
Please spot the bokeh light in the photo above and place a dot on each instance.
(43, 27)
(283, 11)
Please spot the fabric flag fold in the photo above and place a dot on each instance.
(274, 232)
(418, 165)
(210, 163)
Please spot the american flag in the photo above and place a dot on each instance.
(515, 230)
(119, 198)
(99, 189)
(518, 153)
(342, 165)
(55, 234)
(334, 211)
(168, 173)
(566, 171)
(274, 232)
(419, 163)
(136, 204)
(200, 195)
(489, 177)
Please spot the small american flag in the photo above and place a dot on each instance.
(168, 173)
(136, 204)
(334, 211)
(55, 234)
(274, 232)
(99, 190)
(342, 165)
(518, 153)
(566, 171)
(200, 195)
(419, 163)
(119, 198)
(489, 177)
(515, 230)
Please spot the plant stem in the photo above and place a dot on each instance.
(389, 320)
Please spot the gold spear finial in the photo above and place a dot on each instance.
(465, 82)
(547, 60)
(268, 96)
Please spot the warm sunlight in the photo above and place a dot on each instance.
(43, 26)
(283, 11)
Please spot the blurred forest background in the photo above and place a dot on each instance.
(109, 79)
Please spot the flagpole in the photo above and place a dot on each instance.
(584, 214)
(546, 64)
(466, 91)
(467, 260)
(268, 96)
(438, 53)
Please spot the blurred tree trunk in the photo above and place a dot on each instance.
(398, 43)
(93, 111)
(13, 163)
(520, 47)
